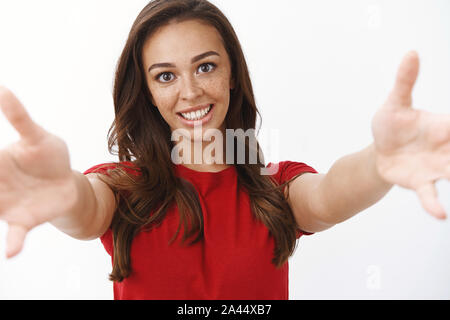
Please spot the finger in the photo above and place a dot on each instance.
(15, 239)
(17, 115)
(401, 95)
(429, 200)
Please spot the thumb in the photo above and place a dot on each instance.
(401, 95)
(18, 116)
(429, 199)
(15, 239)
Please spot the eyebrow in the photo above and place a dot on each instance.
(193, 60)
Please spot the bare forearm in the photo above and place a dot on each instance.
(351, 185)
(77, 220)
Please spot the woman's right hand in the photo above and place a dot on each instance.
(36, 180)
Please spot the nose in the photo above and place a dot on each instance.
(190, 89)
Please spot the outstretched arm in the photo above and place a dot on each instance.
(411, 149)
(320, 201)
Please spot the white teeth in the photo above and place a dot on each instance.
(196, 115)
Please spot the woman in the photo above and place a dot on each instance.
(181, 81)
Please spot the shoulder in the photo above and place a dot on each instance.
(285, 170)
(104, 168)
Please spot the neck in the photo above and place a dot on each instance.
(201, 155)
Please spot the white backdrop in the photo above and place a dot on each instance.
(320, 70)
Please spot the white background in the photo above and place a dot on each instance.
(320, 70)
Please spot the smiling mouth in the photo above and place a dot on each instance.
(198, 115)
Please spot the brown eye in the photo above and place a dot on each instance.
(164, 77)
(207, 67)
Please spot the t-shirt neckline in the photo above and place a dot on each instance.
(226, 171)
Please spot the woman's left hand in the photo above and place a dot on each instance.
(412, 146)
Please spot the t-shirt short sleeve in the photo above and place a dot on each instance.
(104, 167)
(106, 238)
(287, 170)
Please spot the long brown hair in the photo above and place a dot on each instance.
(143, 138)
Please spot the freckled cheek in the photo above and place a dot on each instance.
(165, 100)
(218, 89)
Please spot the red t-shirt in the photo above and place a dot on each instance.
(232, 261)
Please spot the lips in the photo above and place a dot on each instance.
(202, 121)
(194, 109)
(198, 115)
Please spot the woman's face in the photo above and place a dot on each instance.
(189, 75)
